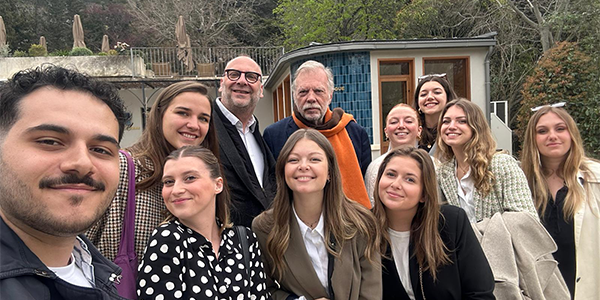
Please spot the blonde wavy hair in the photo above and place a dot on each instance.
(430, 249)
(345, 219)
(536, 173)
(479, 150)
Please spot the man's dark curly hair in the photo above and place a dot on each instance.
(27, 81)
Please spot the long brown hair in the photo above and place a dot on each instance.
(536, 173)
(152, 148)
(223, 200)
(344, 219)
(430, 250)
(428, 137)
(479, 150)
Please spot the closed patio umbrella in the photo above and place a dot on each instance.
(43, 42)
(184, 51)
(105, 44)
(2, 33)
(78, 33)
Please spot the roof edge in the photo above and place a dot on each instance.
(485, 40)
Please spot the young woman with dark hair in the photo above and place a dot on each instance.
(431, 95)
(181, 115)
(429, 252)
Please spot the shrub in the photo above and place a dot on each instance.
(59, 53)
(4, 51)
(112, 52)
(566, 74)
(19, 53)
(37, 50)
(80, 51)
(102, 54)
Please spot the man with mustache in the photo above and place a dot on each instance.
(59, 170)
(312, 89)
(248, 164)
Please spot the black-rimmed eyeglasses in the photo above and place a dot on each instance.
(234, 75)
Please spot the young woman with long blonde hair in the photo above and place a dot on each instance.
(430, 252)
(472, 174)
(316, 242)
(566, 190)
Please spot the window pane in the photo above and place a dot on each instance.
(455, 69)
(393, 68)
(392, 93)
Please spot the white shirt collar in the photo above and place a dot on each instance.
(233, 119)
(320, 228)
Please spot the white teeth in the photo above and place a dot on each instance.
(189, 136)
(303, 178)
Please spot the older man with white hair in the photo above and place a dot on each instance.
(312, 89)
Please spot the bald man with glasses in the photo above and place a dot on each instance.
(248, 164)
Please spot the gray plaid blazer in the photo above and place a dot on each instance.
(149, 209)
(510, 191)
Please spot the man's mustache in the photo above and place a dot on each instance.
(71, 179)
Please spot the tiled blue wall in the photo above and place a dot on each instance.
(352, 71)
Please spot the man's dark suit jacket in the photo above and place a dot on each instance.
(248, 198)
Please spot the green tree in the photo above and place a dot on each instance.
(306, 21)
(436, 18)
(563, 74)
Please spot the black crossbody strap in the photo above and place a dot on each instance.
(243, 236)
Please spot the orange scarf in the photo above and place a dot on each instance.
(352, 179)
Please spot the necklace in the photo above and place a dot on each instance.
(313, 224)
(462, 171)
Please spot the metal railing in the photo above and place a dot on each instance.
(207, 62)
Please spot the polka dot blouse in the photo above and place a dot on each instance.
(179, 263)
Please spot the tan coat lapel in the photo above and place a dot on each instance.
(300, 266)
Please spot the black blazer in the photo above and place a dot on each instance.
(248, 198)
(468, 277)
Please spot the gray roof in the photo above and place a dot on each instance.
(283, 63)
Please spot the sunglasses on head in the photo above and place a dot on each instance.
(428, 76)
(558, 104)
(234, 75)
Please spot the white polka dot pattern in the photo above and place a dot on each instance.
(180, 264)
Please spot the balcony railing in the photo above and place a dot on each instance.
(207, 62)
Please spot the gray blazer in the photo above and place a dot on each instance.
(353, 277)
(509, 193)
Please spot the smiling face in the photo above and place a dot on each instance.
(402, 126)
(552, 137)
(400, 186)
(455, 129)
(432, 98)
(186, 119)
(311, 95)
(240, 95)
(306, 169)
(59, 162)
(189, 191)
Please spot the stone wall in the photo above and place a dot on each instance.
(97, 66)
